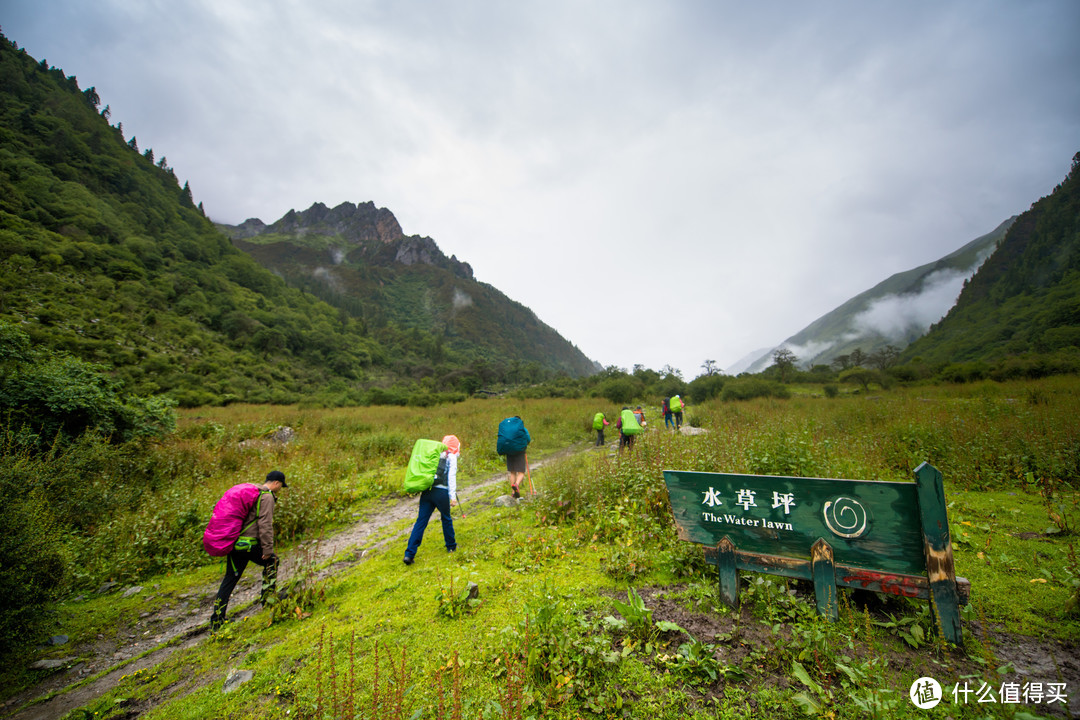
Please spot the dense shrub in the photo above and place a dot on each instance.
(706, 387)
(51, 398)
(32, 569)
(619, 390)
(753, 387)
(965, 372)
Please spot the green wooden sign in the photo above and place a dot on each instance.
(889, 537)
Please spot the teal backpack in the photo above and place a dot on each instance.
(513, 437)
(423, 465)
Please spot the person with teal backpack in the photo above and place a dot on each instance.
(512, 441)
(629, 428)
(599, 421)
(433, 472)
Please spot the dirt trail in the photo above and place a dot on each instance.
(184, 623)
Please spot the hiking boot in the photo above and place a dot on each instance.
(408, 560)
(517, 495)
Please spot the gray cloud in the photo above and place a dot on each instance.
(717, 174)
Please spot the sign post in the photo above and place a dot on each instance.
(890, 537)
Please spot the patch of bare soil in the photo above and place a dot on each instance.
(743, 639)
(184, 620)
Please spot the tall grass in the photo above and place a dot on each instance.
(344, 461)
(340, 462)
(987, 436)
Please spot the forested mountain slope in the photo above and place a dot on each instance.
(356, 258)
(106, 256)
(1026, 297)
(895, 312)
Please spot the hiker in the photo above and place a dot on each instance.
(669, 420)
(628, 428)
(640, 415)
(255, 544)
(442, 495)
(513, 439)
(676, 410)
(599, 421)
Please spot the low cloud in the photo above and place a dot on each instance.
(321, 273)
(461, 300)
(806, 352)
(899, 316)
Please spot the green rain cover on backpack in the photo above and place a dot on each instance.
(630, 424)
(598, 421)
(676, 404)
(423, 464)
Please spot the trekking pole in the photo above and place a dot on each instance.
(528, 471)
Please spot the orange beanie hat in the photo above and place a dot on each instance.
(452, 444)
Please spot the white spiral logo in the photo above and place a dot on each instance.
(845, 517)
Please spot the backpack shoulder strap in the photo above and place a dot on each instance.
(258, 508)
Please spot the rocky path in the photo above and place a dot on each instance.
(95, 668)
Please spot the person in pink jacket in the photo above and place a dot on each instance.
(255, 544)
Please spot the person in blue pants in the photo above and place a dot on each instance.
(442, 495)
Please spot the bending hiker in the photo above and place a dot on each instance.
(640, 415)
(628, 428)
(442, 495)
(513, 439)
(255, 542)
(669, 420)
(599, 421)
(676, 410)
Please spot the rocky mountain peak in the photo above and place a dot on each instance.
(357, 224)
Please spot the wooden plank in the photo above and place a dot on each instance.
(913, 586)
(728, 572)
(868, 524)
(821, 562)
(937, 549)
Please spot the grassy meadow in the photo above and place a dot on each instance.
(588, 606)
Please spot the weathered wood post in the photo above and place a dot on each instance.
(821, 564)
(729, 572)
(937, 548)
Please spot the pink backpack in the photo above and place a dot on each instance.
(227, 522)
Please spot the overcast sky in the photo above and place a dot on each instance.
(662, 182)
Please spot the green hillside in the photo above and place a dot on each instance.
(888, 314)
(356, 258)
(1026, 297)
(106, 256)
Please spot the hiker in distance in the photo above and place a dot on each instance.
(255, 542)
(665, 407)
(442, 495)
(599, 422)
(629, 428)
(512, 441)
(676, 404)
